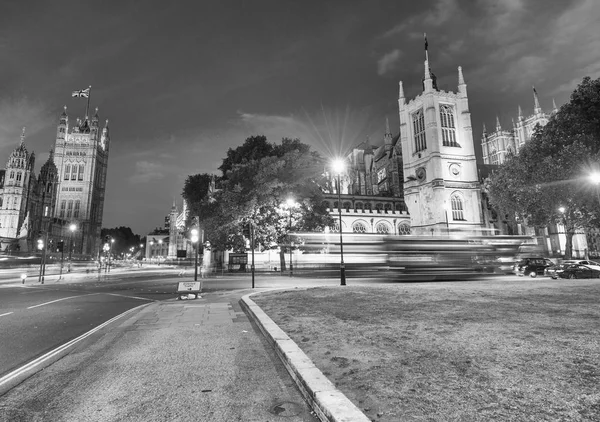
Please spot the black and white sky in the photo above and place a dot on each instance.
(183, 81)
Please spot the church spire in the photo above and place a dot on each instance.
(554, 108)
(520, 115)
(536, 102)
(387, 125)
(461, 79)
(401, 91)
(498, 126)
(484, 129)
(22, 136)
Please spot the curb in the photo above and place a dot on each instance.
(329, 404)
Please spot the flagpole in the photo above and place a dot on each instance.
(426, 45)
(87, 108)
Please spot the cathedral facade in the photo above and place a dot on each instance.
(69, 191)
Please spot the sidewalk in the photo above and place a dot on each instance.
(188, 360)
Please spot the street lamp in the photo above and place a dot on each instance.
(160, 241)
(338, 167)
(72, 229)
(290, 203)
(110, 252)
(595, 179)
(195, 239)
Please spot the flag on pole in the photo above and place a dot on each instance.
(425, 35)
(85, 93)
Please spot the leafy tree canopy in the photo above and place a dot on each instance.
(551, 172)
(258, 178)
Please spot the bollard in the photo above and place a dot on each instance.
(23, 277)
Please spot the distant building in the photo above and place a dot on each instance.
(69, 190)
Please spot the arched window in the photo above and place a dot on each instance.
(457, 207)
(69, 208)
(81, 169)
(509, 150)
(67, 172)
(419, 130)
(63, 208)
(448, 127)
(359, 227)
(12, 174)
(382, 228)
(403, 229)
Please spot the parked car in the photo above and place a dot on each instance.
(554, 271)
(531, 266)
(580, 271)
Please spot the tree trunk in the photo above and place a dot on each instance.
(569, 244)
(282, 259)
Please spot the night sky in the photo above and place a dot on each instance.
(183, 81)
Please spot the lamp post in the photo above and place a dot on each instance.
(110, 252)
(290, 203)
(72, 229)
(195, 239)
(160, 242)
(446, 214)
(338, 167)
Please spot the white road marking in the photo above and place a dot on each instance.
(132, 297)
(12, 375)
(8, 313)
(57, 300)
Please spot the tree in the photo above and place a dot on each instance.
(257, 179)
(124, 238)
(547, 182)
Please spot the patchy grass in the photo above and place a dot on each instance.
(494, 350)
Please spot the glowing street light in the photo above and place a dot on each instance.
(338, 167)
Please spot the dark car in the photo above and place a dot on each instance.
(580, 271)
(554, 271)
(531, 266)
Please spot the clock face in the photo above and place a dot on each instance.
(420, 173)
(454, 169)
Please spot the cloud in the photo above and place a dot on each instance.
(146, 171)
(388, 62)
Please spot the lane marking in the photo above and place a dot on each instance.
(38, 361)
(58, 300)
(8, 313)
(129, 297)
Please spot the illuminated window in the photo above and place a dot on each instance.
(403, 229)
(457, 208)
(419, 131)
(382, 228)
(448, 127)
(359, 227)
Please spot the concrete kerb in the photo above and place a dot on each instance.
(325, 399)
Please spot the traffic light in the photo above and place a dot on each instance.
(60, 246)
(40, 244)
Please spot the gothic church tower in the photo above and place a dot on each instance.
(15, 194)
(441, 187)
(81, 157)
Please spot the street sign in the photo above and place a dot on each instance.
(188, 287)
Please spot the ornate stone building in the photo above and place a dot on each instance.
(69, 190)
(81, 157)
(423, 180)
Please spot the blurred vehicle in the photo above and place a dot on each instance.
(580, 271)
(554, 271)
(532, 266)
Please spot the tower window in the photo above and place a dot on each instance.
(457, 208)
(69, 208)
(382, 228)
(494, 157)
(12, 174)
(67, 171)
(81, 169)
(74, 172)
(63, 208)
(76, 210)
(419, 130)
(448, 127)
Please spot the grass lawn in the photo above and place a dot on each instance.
(503, 349)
